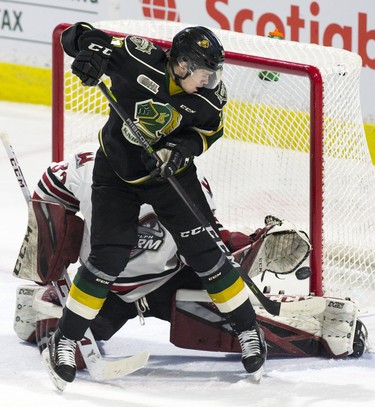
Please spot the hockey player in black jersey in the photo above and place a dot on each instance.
(175, 98)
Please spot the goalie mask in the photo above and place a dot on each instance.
(201, 52)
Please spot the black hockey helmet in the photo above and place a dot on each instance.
(200, 48)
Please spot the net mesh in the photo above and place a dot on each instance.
(262, 164)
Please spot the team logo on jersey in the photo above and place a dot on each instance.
(143, 45)
(155, 120)
(150, 235)
(82, 158)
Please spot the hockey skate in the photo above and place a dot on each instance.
(360, 340)
(60, 359)
(254, 351)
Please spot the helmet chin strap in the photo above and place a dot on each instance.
(178, 78)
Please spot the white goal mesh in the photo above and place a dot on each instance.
(294, 147)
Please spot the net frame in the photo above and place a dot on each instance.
(235, 58)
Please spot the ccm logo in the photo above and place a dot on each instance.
(192, 232)
(100, 48)
(335, 304)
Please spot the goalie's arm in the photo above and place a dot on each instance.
(51, 187)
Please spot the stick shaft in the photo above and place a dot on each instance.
(270, 306)
(16, 167)
(98, 367)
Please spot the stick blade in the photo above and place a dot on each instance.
(107, 369)
(4, 137)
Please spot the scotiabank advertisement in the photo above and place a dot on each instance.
(344, 24)
(26, 27)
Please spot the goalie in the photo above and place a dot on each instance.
(158, 284)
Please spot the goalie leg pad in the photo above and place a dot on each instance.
(197, 324)
(25, 316)
(52, 241)
(339, 326)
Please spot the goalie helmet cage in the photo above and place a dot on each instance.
(294, 145)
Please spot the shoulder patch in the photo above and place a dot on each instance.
(117, 42)
(221, 93)
(143, 45)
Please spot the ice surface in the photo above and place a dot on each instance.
(173, 376)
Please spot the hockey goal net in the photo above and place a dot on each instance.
(294, 146)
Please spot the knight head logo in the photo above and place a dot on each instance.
(204, 43)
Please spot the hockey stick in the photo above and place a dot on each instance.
(311, 305)
(98, 367)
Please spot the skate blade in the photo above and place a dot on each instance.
(59, 383)
(256, 377)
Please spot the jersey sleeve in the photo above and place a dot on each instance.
(68, 182)
(210, 118)
(51, 187)
(208, 137)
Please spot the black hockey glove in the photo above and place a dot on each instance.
(91, 62)
(173, 155)
(70, 37)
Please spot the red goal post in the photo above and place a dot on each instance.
(282, 147)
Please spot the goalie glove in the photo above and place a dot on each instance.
(278, 248)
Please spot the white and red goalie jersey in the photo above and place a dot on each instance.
(154, 262)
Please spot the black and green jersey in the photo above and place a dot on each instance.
(157, 105)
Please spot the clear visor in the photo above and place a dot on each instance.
(202, 76)
(209, 79)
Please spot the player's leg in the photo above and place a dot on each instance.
(112, 317)
(218, 274)
(113, 234)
